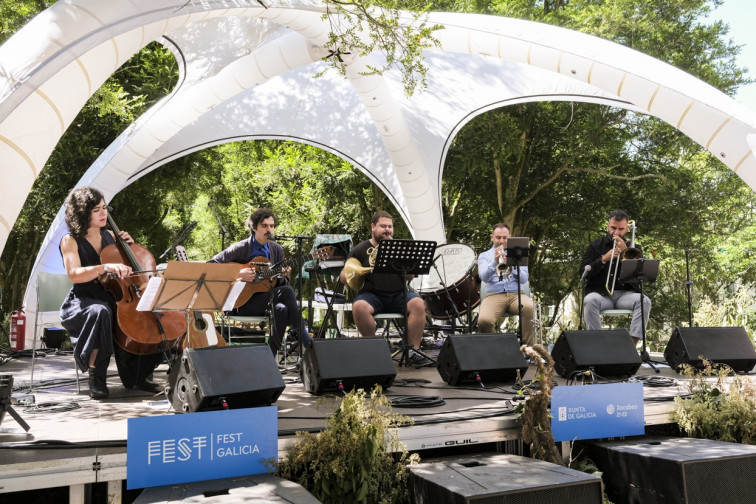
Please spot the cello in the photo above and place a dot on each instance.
(138, 332)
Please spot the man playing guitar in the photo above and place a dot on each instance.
(259, 251)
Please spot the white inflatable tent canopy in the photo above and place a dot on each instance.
(248, 72)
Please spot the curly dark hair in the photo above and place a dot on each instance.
(258, 216)
(79, 205)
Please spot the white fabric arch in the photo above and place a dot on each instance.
(247, 72)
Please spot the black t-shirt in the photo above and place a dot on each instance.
(378, 283)
(597, 277)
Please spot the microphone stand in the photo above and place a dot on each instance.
(448, 297)
(299, 239)
(181, 238)
(516, 257)
(223, 231)
(644, 353)
(582, 301)
(688, 286)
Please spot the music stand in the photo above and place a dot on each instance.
(638, 272)
(406, 257)
(517, 255)
(190, 286)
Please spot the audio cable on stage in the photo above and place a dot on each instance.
(413, 401)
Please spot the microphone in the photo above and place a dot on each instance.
(585, 273)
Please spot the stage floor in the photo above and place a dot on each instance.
(460, 417)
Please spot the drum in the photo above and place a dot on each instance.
(456, 266)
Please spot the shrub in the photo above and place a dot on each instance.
(352, 460)
(720, 406)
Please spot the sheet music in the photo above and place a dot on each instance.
(148, 296)
(236, 289)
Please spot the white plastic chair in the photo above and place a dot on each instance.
(386, 319)
(261, 320)
(613, 312)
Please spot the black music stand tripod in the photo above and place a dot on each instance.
(640, 271)
(405, 257)
(517, 255)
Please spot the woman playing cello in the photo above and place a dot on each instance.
(87, 311)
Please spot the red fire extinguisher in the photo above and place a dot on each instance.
(17, 329)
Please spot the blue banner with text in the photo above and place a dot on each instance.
(164, 450)
(597, 411)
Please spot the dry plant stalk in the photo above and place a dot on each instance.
(535, 416)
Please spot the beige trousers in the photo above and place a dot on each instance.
(495, 305)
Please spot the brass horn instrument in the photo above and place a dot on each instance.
(355, 272)
(502, 269)
(629, 253)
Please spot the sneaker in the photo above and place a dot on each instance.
(419, 360)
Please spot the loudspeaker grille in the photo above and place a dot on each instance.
(720, 480)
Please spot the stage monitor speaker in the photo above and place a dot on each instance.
(725, 345)
(607, 352)
(658, 470)
(212, 378)
(492, 357)
(499, 478)
(331, 364)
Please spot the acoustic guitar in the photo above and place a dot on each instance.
(267, 275)
(201, 330)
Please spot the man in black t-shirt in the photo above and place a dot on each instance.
(384, 292)
(598, 259)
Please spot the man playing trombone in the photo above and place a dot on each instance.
(600, 270)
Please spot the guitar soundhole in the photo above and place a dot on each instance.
(200, 324)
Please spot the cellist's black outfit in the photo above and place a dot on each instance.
(88, 313)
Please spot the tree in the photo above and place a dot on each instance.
(557, 169)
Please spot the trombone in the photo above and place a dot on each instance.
(629, 253)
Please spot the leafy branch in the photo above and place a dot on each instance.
(401, 32)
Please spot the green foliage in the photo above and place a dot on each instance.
(351, 460)
(554, 171)
(720, 406)
(16, 13)
(732, 308)
(364, 26)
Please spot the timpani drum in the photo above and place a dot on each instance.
(457, 267)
